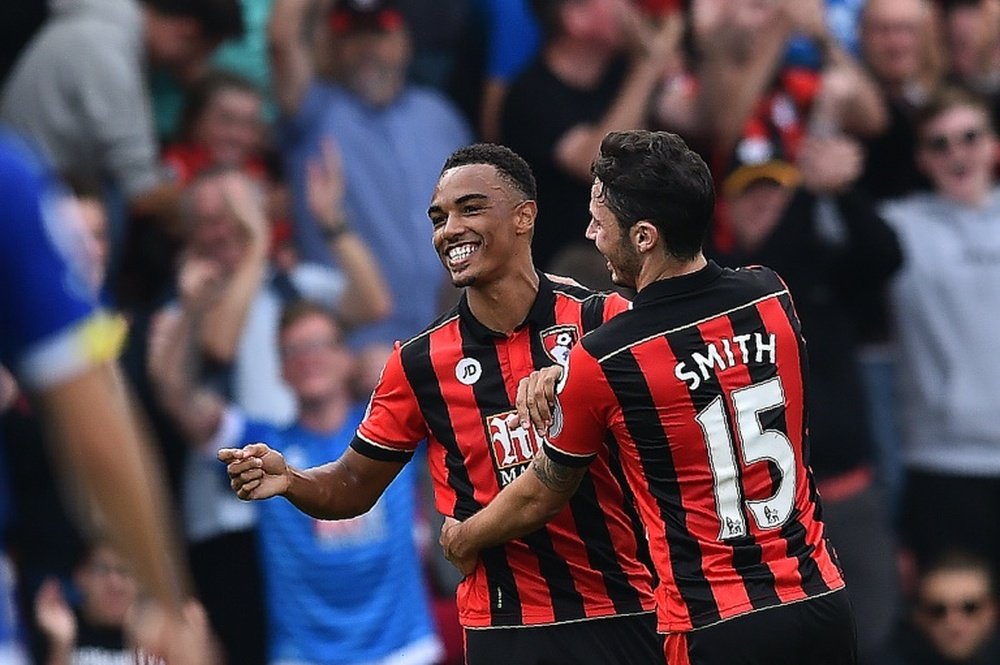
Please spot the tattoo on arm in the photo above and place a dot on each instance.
(557, 477)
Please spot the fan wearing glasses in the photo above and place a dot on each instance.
(955, 613)
(945, 300)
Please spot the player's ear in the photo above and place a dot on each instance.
(645, 235)
(524, 216)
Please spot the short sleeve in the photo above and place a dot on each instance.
(393, 424)
(614, 305)
(582, 405)
(51, 328)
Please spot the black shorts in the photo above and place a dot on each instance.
(818, 631)
(628, 640)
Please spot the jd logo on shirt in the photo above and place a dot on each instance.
(468, 371)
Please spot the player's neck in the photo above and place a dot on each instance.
(503, 304)
(665, 267)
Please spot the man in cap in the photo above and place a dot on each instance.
(392, 137)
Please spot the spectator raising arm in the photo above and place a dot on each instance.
(654, 50)
(173, 357)
(366, 298)
(291, 56)
(224, 322)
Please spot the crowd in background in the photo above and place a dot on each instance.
(232, 159)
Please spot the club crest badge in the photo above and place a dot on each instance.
(558, 340)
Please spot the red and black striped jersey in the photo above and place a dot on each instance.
(455, 384)
(701, 386)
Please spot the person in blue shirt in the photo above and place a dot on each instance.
(61, 348)
(337, 593)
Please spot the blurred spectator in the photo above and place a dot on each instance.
(92, 632)
(743, 86)
(222, 125)
(972, 47)
(79, 88)
(238, 341)
(337, 592)
(944, 301)
(513, 40)
(391, 136)
(900, 48)
(954, 618)
(600, 65)
(827, 243)
(239, 336)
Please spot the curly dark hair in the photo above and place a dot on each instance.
(510, 165)
(654, 176)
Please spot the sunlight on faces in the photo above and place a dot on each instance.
(481, 223)
(614, 244)
(231, 126)
(107, 586)
(314, 361)
(957, 151)
(956, 612)
(891, 32)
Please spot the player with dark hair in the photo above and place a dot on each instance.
(701, 387)
(61, 349)
(573, 591)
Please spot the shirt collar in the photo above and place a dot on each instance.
(674, 286)
(540, 312)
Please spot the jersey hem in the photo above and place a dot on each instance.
(542, 624)
(752, 610)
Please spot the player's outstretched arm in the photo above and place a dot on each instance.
(522, 507)
(99, 438)
(341, 489)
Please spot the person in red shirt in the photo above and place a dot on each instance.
(701, 387)
(572, 591)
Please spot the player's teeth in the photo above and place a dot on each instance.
(461, 252)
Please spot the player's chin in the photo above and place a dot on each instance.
(462, 281)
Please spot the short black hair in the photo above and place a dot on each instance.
(219, 19)
(510, 165)
(654, 176)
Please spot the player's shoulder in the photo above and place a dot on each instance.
(754, 278)
(567, 287)
(448, 318)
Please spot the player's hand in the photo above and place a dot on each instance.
(256, 471)
(450, 541)
(180, 637)
(536, 397)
